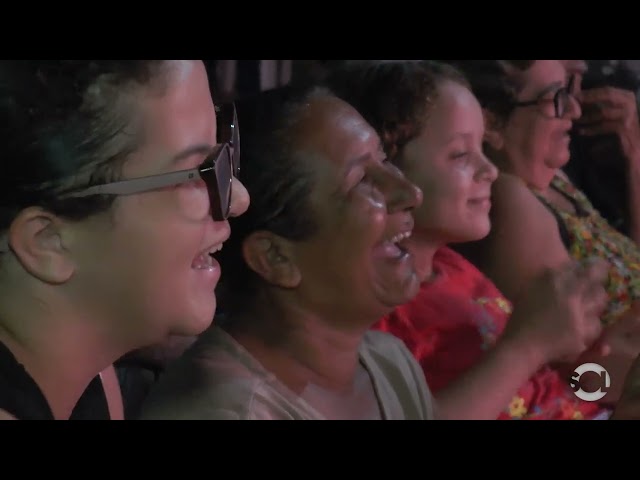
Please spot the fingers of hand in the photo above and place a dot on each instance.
(592, 330)
(565, 277)
(600, 129)
(603, 114)
(594, 270)
(601, 347)
(595, 300)
(584, 278)
(623, 337)
(607, 95)
(607, 110)
(604, 349)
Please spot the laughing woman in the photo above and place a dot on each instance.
(483, 357)
(313, 265)
(112, 193)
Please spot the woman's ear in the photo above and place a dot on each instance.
(271, 257)
(36, 239)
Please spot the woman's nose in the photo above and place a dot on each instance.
(400, 193)
(239, 198)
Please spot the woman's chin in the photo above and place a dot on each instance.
(559, 160)
(473, 233)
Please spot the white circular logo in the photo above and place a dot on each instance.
(605, 382)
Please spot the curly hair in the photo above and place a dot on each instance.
(394, 97)
(495, 83)
(66, 124)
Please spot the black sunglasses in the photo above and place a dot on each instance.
(561, 99)
(217, 170)
(229, 132)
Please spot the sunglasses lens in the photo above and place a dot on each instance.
(217, 175)
(228, 131)
(235, 143)
(224, 178)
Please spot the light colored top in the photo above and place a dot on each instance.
(218, 379)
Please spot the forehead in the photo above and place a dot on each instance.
(455, 109)
(541, 75)
(180, 115)
(333, 130)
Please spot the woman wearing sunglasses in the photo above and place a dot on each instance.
(309, 268)
(113, 196)
(539, 219)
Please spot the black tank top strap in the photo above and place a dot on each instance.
(562, 228)
(21, 397)
(19, 394)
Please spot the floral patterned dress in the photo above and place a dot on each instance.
(587, 234)
(452, 323)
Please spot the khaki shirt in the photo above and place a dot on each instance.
(218, 379)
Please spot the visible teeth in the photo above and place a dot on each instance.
(399, 237)
(215, 249)
(203, 262)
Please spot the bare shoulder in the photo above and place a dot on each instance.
(524, 240)
(514, 203)
(4, 415)
(510, 191)
(509, 183)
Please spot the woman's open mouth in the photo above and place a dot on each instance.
(391, 248)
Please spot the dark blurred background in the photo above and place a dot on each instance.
(596, 167)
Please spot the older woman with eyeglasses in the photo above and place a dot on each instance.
(539, 218)
(114, 195)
